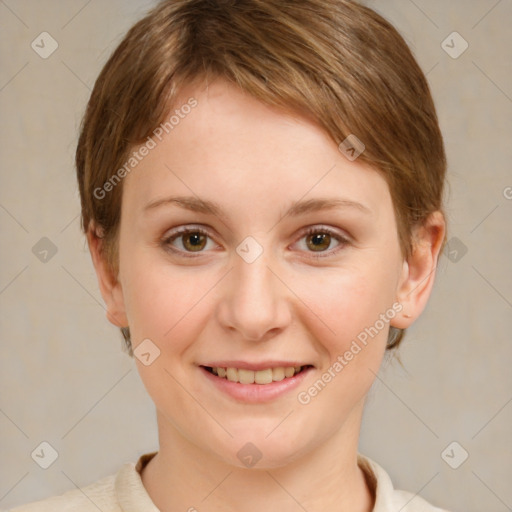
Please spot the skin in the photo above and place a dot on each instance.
(255, 161)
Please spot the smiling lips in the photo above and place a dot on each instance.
(246, 376)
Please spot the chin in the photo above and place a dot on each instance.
(256, 449)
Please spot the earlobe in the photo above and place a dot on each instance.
(110, 287)
(419, 271)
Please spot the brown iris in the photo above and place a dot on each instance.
(320, 241)
(197, 241)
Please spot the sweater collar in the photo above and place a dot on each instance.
(133, 497)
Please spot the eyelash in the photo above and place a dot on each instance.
(343, 241)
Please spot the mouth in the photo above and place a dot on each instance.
(264, 376)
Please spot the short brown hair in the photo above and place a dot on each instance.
(335, 61)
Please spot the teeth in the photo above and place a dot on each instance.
(263, 376)
(259, 377)
(232, 374)
(278, 374)
(245, 376)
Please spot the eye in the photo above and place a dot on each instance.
(190, 239)
(195, 240)
(318, 240)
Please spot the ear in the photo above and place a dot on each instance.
(110, 287)
(419, 270)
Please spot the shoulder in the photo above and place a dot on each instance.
(387, 498)
(99, 495)
(114, 493)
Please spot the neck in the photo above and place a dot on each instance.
(327, 479)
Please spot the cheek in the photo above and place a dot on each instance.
(351, 324)
(345, 302)
(169, 307)
(164, 303)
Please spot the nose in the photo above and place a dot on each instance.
(255, 301)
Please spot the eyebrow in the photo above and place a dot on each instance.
(297, 208)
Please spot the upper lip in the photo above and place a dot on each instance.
(244, 365)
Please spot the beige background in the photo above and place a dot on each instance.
(64, 377)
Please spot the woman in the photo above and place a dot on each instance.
(261, 185)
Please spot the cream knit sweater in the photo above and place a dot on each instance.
(124, 492)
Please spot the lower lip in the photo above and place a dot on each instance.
(256, 393)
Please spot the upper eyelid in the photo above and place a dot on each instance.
(180, 230)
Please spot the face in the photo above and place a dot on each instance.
(228, 260)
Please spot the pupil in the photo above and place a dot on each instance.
(196, 237)
(319, 239)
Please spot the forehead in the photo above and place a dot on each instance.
(232, 148)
